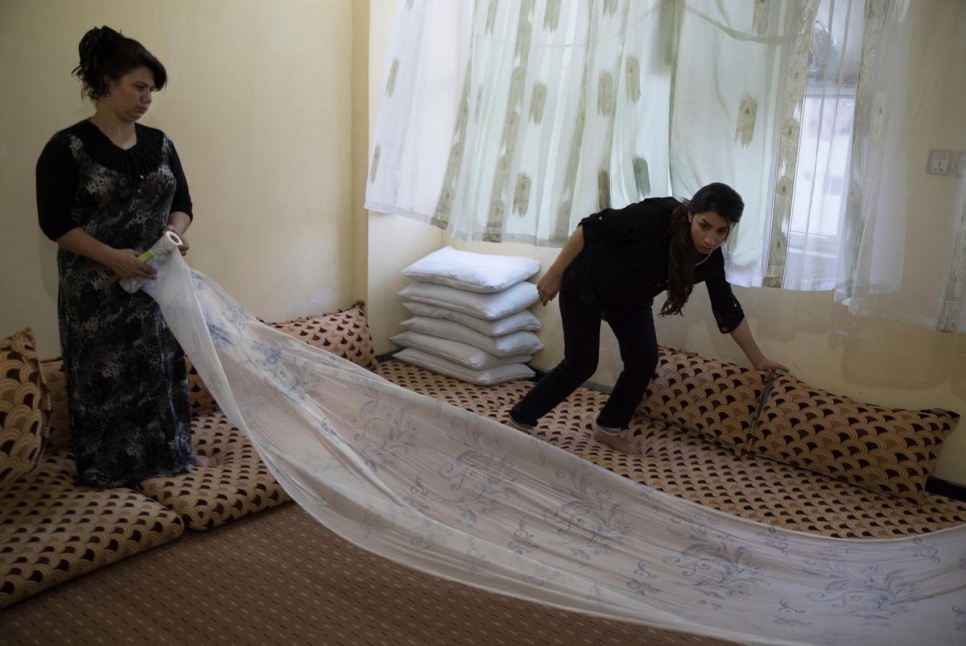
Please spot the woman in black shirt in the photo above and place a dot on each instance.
(107, 189)
(611, 269)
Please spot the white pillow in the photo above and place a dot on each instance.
(461, 353)
(508, 345)
(474, 272)
(491, 307)
(517, 322)
(487, 377)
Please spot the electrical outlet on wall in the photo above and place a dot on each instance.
(939, 162)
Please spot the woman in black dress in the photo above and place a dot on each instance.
(610, 269)
(107, 189)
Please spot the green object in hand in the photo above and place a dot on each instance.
(146, 256)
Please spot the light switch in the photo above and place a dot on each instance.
(939, 162)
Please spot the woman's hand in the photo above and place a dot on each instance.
(744, 339)
(548, 286)
(125, 264)
(183, 247)
(178, 223)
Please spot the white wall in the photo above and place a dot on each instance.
(259, 104)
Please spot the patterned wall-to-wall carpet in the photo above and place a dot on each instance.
(279, 577)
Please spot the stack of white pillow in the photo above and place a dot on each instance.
(470, 316)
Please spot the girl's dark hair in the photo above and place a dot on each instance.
(105, 53)
(717, 197)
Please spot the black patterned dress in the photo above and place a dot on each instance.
(126, 378)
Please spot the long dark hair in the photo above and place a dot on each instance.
(717, 197)
(105, 53)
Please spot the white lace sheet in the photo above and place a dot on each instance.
(467, 499)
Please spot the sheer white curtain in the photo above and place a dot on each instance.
(904, 260)
(952, 315)
(562, 109)
(804, 245)
(739, 75)
(558, 108)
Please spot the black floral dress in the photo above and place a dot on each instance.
(126, 378)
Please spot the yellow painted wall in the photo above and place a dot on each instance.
(259, 103)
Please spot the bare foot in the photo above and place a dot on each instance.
(204, 461)
(616, 442)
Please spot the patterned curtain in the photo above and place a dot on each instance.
(902, 257)
(560, 109)
(813, 153)
(510, 120)
(740, 75)
(565, 107)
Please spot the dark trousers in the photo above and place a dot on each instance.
(637, 341)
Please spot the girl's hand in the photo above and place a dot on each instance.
(767, 365)
(548, 286)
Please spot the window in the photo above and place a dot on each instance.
(827, 114)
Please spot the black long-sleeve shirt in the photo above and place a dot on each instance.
(624, 263)
(62, 200)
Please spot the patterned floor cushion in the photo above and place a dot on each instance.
(24, 407)
(237, 485)
(344, 333)
(713, 399)
(58, 432)
(883, 449)
(52, 531)
(697, 469)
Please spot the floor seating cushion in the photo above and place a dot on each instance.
(52, 530)
(237, 485)
(344, 333)
(882, 449)
(715, 400)
(24, 406)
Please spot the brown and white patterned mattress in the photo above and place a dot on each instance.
(52, 531)
(239, 484)
(696, 469)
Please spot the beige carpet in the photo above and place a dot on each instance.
(279, 577)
